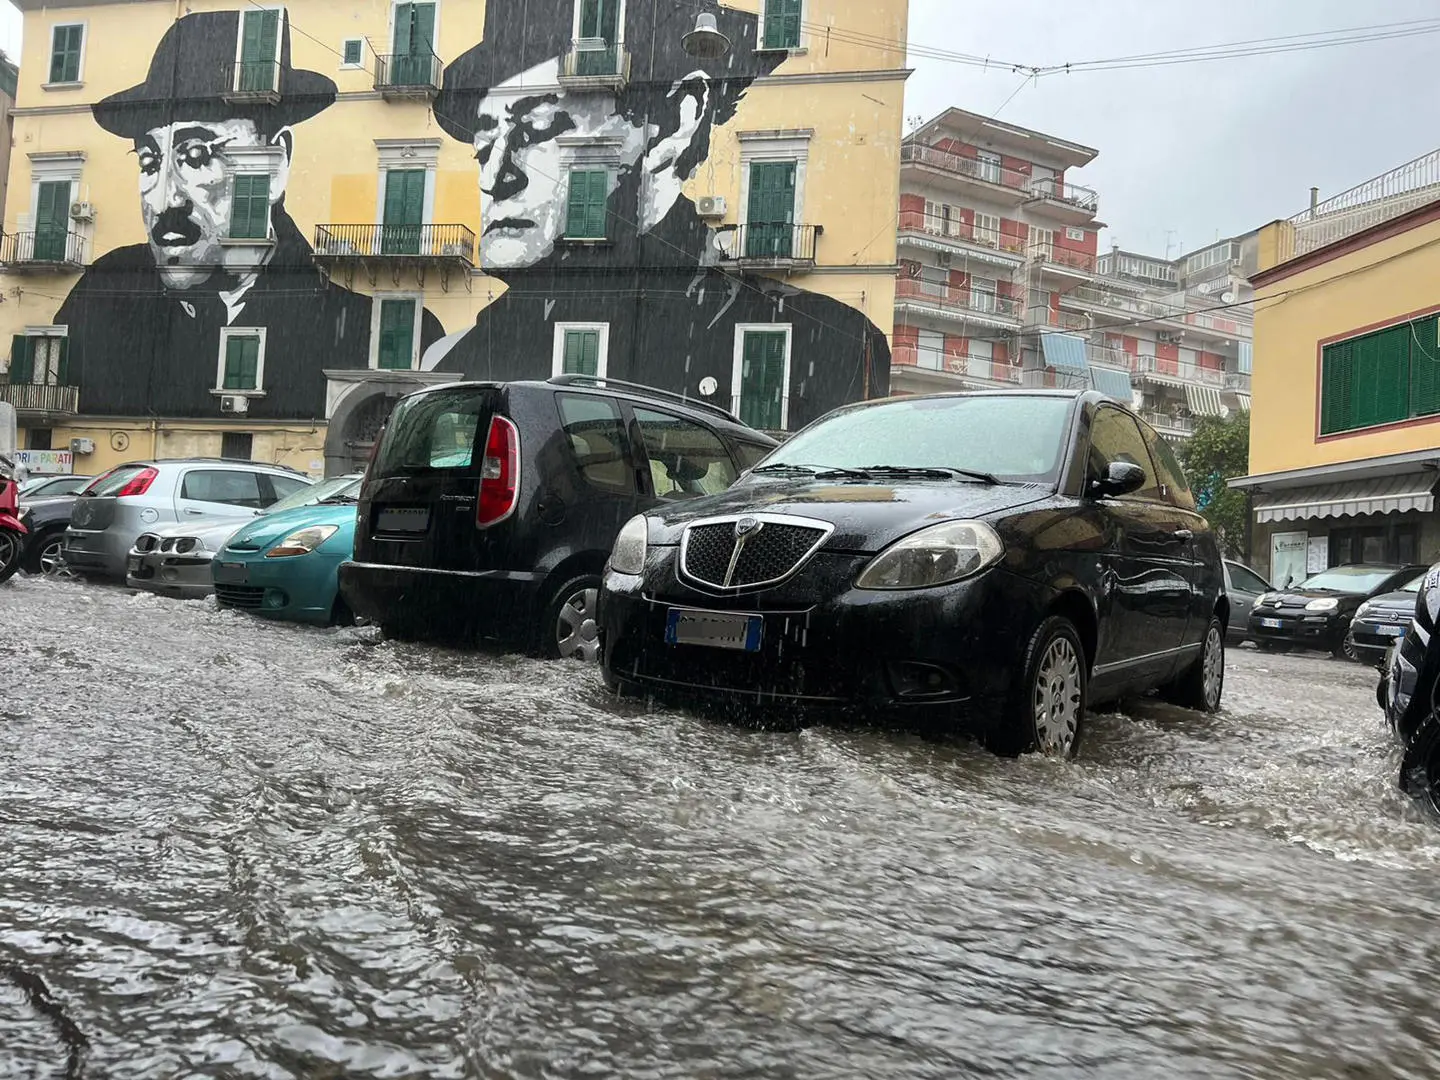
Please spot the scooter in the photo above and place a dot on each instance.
(12, 533)
(1409, 693)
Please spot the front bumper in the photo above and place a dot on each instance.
(488, 601)
(180, 577)
(1408, 682)
(1299, 628)
(954, 650)
(101, 552)
(297, 589)
(1372, 638)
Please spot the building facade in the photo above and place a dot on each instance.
(247, 230)
(1345, 438)
(1002, 283)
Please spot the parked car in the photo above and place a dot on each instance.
(286, 565)
(490, 508)
(1409, 692)
(1381, 622)
(45, 487)
(1244, 586)
(1316, 613)
(47, 520)
(175, 560)
(1000, 560)
(139, 495)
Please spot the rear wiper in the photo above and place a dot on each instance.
(812, 470)
(932, 472)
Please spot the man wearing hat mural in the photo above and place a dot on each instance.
(152, 326)
(647, 268)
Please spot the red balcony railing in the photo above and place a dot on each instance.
(958, 298)
(918, 221)
(1077, 260)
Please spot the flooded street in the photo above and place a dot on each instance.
(235, 849)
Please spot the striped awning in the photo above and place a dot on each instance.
(1064, 351)
(1379, 495)
(1242, 402)
(1204, 400)
(1112, 382)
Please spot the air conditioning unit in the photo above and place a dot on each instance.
(710, 206)
(82, 211)
(82, 446)
(234, 403)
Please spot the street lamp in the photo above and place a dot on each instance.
(706, 41)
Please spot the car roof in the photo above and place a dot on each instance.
(155, 463)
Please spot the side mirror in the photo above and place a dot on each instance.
(1121, 478)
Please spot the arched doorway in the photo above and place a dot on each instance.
(360, 414)
(363, 428)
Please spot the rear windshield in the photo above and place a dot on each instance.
(437, 430)
(114, 480)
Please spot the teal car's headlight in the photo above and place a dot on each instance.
(935, 556)
(302, 541)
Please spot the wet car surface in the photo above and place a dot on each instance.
(246, 849)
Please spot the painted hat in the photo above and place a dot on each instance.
(191, 72)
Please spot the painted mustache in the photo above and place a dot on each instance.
(174, 228)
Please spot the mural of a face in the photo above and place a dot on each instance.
(186, 193)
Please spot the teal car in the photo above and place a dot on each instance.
(286, 565)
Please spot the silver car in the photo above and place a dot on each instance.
(175, 560)
(141, 496)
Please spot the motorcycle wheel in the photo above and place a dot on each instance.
(10, 551)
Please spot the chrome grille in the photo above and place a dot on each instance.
(770, 550)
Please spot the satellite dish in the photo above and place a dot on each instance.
(708, 386)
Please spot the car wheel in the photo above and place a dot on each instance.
(1420, 764)
(47, 556)
(568, 628)
(1344, 649)
(10, 551)
(1046, 711)
(1202, 684)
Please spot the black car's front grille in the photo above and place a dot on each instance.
(239, 596)
(770, 553)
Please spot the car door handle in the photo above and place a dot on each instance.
(193, 512)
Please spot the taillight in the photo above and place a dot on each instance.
(499, 474)
(139, 483)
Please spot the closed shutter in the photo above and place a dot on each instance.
(1425, 367)
(782, 24)
(586, 211)
(52, 221)
(62, 361)
(599, 22)
(242, 362)
(1337, 378)
(250, 207)
(770, 228)
(21, 360)
(762, 380)
(1382, 377)
(582, 352)
(397, 335)
(259, 36)
(404, 211)
(414, 45)
(65, 54)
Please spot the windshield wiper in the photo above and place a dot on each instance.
(812, 470)
(932, 472)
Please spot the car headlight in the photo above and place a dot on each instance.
(302, 541)
(934, 556)
(1328, 603)
(1362, 611)
(628, 555)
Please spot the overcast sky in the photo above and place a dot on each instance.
(1188, 152)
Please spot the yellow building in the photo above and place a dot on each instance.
(245, 230)
(1345, 422)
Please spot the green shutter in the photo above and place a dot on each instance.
(404, 212)
(62, 363)
(242, 362)
(1381, 380)
(414, 44)
(397, 335)
(782, 24)
(22, 360)
(771, 219)
(582, 352)
(250, 207)
(762, 380)
(259, 35)
(586, 211)
(52, 221)
(599, 21)
(353, 51)
(65, 54)
(1425, 367)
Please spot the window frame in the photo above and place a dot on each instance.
(358, 65)
(1152, 495)
(798, 48)
(1328, 348)
(589, 170)
(79, 79)
(557, 354)
(282, 25)
(248, 175)
(377, 308)
(771, 148)
(626, 443)
(727, 454)
(226, 333)
(737, 373)
(237, 434)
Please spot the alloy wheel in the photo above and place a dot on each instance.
(577, 635)
(9, 549)
(1057, 699)
(52, 560)
(1214, 669)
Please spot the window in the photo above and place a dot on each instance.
(1072, 233)
(782, 24)
(237, 445)
(287, 486)
(987, 229)
(580, 349)
(66, 43)
(1171, 475)
(404, 211)
(1243, 580)
(686, 459)
(250, 207)
(234, 487)
(52, 220)
(352, 52)
(990, 166)
(414, 61)
(771, 218)
(762, 377)
(1114, 437)
(1385, 377)
(931, 350)
(598, 26)
(982, 294)
(241, 352)
(434, 430)
(934, 217)
(397, 335)
(1375, 544)
(40, 360)
(954, 223)
(259, 70)
(39, 439)
(596, 433)
(586, 209)
(1042, 242)
(751, 454)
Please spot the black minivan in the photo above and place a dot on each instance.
(489, 509)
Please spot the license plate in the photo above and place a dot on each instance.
(714, 629)
(133, 563)
(404, 520)
(1390, 631)
(231, 573)
(1272, 624)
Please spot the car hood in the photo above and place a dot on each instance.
(867, 515)
(1292, 598)
(211, 532)
(265, 532)
(1393, 601)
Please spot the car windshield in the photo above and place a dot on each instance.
(348, 494)
(1355, 580)
(1413, 585)
(1015, 438)
(307, 496)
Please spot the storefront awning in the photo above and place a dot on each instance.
(1113, 382)
(1064, 351)
(1379, 495)
(1204, 400)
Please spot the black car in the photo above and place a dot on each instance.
(1381, 622)
(489, 508)
(47, 519)
(1316, 613)
(998, 559)
(1409, 692)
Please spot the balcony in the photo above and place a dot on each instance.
(761, 245)
(408, 76)
(959, 303)
(1166, 424)
(1063, 261)
(594, 64)
(35, 401)
(956, 237)
(927, 368)
(249, 82)
(1238, 381)
(400, 248)
(46, 250)
(1069, 204)
(1174, 373)
(984, 177)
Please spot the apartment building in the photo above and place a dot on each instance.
(1002, 283)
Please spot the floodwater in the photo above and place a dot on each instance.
(237, 849)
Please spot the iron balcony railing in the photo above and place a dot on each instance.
(1165, 422)
(1048, 187)
(1238, 380)
(972, 367)
(246, 78)
(44, 246)
(40, 397)
(919, 221)
(1177, 369)
(1377, 200)
(1075, 260)
(773, 242)
(407, 71)
(971, 168)
(395, 241)
(596, 59)
(958, 298)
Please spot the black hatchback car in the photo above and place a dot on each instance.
(1316, 614)
(999, 558)
(489, 509)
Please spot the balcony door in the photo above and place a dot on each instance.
(771, 225)
(52, 221)
(259, 38)
(414, 52)
(404, 212)
(597, 48)
(38, 360)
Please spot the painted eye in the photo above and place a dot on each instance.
(149, 164)
(196, 155)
